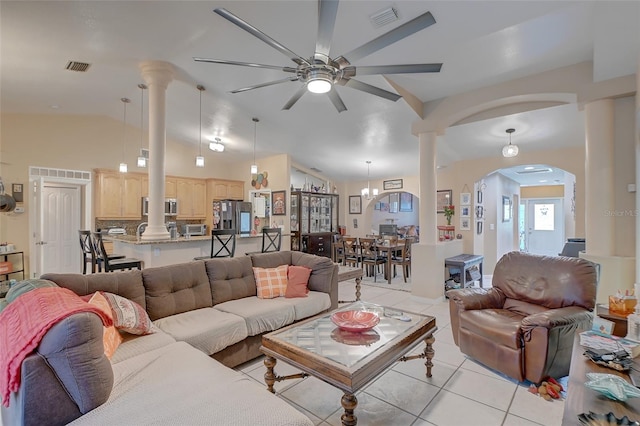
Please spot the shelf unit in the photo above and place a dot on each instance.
(17, 267)
(314, 219)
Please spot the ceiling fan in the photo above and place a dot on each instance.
(320, 73)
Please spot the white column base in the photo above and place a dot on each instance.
(427, 267)
(155, 233)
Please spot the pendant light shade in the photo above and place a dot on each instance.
(510, 150)
(254, 166)
(199, 157)
(142, 160)
(216, 145)
(123, 165)
(367, 192)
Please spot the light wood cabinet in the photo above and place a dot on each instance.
(192, 197)
(225, 189)
(170, 190)
(118, 195)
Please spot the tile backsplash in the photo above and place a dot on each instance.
(131, 225)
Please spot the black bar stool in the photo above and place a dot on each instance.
(225, 239)
(112, 264)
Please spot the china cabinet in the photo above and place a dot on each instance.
(314, 219)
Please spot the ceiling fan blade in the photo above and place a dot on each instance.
(259, 34)
(295, 98)
(270, 83)
(336, 100)
(358, 85)
(396, 69)
(245, 64)
(421, 22)
(327, 11)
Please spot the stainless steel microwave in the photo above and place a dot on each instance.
(170, 206)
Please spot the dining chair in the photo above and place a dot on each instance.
(225, 240)
(337, 248)
(112, 264)
(271, 239)
(404, 259)
(351, 252)
(371, 257)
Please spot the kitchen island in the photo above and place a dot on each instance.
(181, 249)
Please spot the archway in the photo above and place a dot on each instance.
(392, 209)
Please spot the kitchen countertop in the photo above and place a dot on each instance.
(132, 239)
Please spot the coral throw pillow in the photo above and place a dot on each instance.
(110, 337)
(271, 282)
(298, 281)
(128, 316)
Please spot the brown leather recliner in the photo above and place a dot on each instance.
(524, 326)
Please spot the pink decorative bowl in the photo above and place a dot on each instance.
(355, 321)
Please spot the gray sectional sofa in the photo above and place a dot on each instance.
(207, 318)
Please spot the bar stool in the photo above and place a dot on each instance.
(271, 239)
(88, 251)
(113, 264)
(225, 239)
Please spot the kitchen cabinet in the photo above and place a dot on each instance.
(314, 219)
(192, 198)
(170, 184)
(219, 189)
(117, 195)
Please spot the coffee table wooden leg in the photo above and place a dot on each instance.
(270, 376)
(429, 353)
(358, 289)
(349, 403)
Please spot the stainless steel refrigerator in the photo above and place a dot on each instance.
(231, 214)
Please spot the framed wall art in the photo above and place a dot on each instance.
(355, 204)
(465, 198)
(279, 202)
(406, 202)
(465, 211)
(465, 224)
(443, 198)
(506, 208)
(389, 185)
(393, 202)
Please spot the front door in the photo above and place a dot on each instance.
(544, 226)
(59, 247)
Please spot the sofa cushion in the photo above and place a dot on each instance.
(261, 315)
(271, 259)
(176, 288)
(207, 329)
(134, 345)
(230, 279)
(126, 284)
(497, 325)
(322, 270)
(179, 385)
(313, 304)
(271, 282)
(298, 281)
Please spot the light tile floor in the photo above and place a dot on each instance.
(461, 391)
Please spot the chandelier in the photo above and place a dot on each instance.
(367, 192)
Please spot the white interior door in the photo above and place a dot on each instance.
(544, 226)
(60, 220)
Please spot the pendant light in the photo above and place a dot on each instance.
(510, 150)
(142, 160)
(123, 166)
(199, 157)
(216, 145)
(254, 166)
(367, 192)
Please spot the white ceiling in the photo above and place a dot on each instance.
(480, 43)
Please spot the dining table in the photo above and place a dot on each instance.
(391, 249)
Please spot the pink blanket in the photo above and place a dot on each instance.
(26, 320)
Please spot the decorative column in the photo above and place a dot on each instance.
(428, 187)
(638, 171)
(599, 200)
(157, 75)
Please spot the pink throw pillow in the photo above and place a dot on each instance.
(298, 281)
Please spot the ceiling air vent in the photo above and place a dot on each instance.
(77, 66)
(384, 17)
(533, 171)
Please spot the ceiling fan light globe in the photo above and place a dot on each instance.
(319, 85)
(510, 151)
(216, 146)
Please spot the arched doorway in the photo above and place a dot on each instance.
(398, 210)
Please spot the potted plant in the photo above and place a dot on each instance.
(449, 211)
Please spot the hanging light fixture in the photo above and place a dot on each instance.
(510, 150)
(199, 157)
(123, 165)
(367, 192)
(142, 160)
(254, 166)
(216, 145)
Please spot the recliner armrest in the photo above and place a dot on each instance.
(557, 317)
(477, 298)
